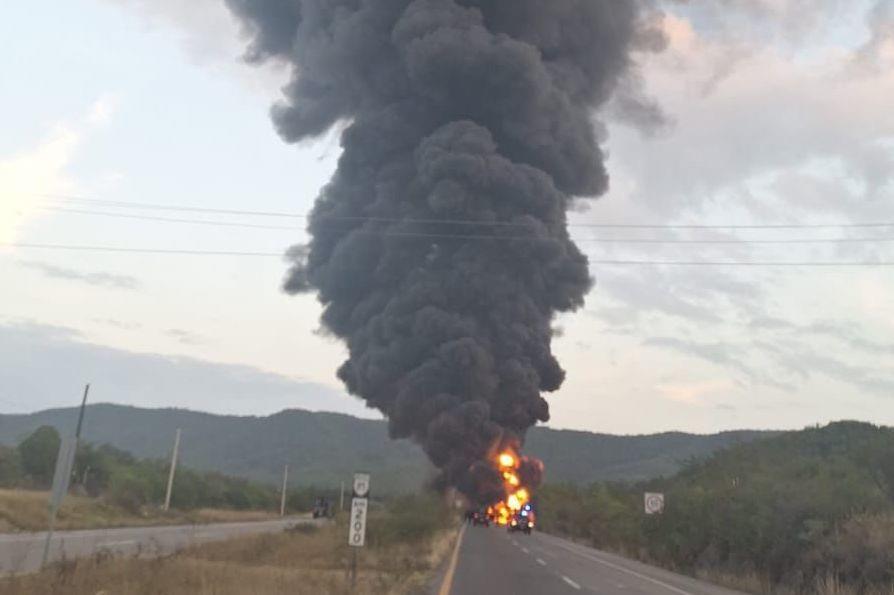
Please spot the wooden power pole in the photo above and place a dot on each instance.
(285, 483)
(173, 469)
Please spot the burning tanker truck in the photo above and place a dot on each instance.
(440, 250)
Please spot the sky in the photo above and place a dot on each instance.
(776, 112)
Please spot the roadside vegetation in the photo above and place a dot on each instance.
(406, 541)
(803, 512)
(26, 510)
(111, 488)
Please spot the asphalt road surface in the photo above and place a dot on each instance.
(495, 562)
(22, 552)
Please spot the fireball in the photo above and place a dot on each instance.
(517, 496)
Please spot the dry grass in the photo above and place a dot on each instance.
(213, 515)
(752, 583)
(22, 510)
(307, 561)
(833, 586)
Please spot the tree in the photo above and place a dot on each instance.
(38, 455)
(10, 467)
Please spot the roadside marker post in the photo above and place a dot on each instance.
(68, 448)
(357, 522)
(357, 533)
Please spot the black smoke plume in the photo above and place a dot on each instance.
(440, 250)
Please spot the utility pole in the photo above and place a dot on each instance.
(81, 413)
(285, 482)
(341, 499)
(64, 462)
(173, 469)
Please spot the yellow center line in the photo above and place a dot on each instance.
(447, 585)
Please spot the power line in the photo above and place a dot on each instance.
(411, 234)
(121, 250)
(348, 218)
(179, 252)
(169, 219)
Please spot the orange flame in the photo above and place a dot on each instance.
(516, 496)
(507, 460)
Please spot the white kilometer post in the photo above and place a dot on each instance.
(357, 533)
(357, 522)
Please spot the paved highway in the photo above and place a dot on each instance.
(494, 562)
(22, 552)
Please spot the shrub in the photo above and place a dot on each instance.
(409, 519)
(38, 454)
(10, 467)
(129, 490)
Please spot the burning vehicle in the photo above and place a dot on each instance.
(524, 521)
(519, 476)
(479, 518)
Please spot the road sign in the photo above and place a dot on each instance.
(361, 485)
(62, 476)
(357, 528)
(654, 503)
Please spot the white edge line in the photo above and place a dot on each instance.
(116, 543)
(626, 570)
(571, 582)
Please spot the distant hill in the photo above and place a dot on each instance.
(787, 512)
(322, 449)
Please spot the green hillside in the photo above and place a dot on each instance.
(800, 511)
(325, 448)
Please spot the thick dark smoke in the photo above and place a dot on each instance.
(440, 249)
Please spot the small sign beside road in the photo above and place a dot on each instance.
(361, 485)
(654, 503)
(359, 507)
(357, 529)
(62, 476)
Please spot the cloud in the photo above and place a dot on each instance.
(729, 148)
(878, 52)
(209, 36)
(102, 110)
(108, 280)
(118, 324)
(693, 393)
(731, 355)
(26, 175)
(772, 122)
(43, 364)
(185, 337)
(869, 379)
(847, 334)
(29, 175)
(778, 363)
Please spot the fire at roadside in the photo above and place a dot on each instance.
(515, 509)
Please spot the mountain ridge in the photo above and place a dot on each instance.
(324, 448)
